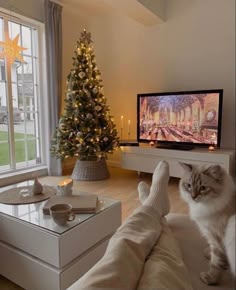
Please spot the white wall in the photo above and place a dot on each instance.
(193, 49)
(30, 8)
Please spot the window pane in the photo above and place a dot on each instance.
(35, 72)
(26, 40)
(25, 150)
(1, 29)
(14, 70)
(22, 90)
(34, 43)
(25, 142)
(1, 34)
(14, 96)
(4, 147)
(19, 69)
(25, 90)
(3, 98)
(27, 68)
(13, 30)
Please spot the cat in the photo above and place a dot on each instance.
(210, 194)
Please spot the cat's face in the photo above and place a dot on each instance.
(201, 184)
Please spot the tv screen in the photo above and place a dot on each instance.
(180, 118)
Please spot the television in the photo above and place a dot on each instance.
(180, 120)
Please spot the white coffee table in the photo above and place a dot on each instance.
(37, 254)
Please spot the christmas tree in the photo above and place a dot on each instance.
(86, 128)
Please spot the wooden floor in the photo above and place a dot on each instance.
(121, 185)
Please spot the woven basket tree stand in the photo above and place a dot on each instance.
(90, 170)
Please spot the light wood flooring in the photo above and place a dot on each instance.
(121, 185)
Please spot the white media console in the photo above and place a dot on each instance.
(145, 158)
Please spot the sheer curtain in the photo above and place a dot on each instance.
(53, 29)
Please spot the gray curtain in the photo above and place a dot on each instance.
(53, 29)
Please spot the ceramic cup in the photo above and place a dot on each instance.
(62, 213)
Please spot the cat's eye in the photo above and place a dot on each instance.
(188, 185)
(203, 188)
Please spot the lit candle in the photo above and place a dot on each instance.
(64, 187)
(122, 121)
(211, 148)
(129, 127)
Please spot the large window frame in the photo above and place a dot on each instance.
(14, 173)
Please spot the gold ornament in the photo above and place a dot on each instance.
(82, 74)
(12, 49)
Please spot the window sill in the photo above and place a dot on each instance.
(11, 178)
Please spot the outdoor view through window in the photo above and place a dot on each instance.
(19, 92)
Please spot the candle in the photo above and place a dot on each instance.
(122, 120)
(211, 148)
(64, 187)
(129, 127)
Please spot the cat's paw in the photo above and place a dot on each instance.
(208, 279)
(224, 264)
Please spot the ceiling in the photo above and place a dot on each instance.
(143, 11)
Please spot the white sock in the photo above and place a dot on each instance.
(143, 191)
(158, 197)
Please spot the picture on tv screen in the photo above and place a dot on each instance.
(182, 117)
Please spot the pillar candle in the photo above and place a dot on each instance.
(122, 122)
(64, 187)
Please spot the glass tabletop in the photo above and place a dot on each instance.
(33, 213)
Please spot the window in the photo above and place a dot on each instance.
(21, 98)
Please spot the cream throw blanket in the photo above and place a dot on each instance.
(142, 254)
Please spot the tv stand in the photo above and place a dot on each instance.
(175, 147)
(145, 158)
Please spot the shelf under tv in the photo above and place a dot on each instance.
(145, 158)
(175, 146)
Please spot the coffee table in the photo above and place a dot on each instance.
(35, 253)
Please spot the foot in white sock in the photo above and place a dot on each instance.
(158, 197)
(143, 191)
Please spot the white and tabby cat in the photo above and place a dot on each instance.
(210, 194)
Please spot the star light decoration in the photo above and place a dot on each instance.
(11, 49)
(86, 37)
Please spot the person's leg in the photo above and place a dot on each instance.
(164, 268)
(122, 264)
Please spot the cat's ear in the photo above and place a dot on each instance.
(215, 171)
(186, 166)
